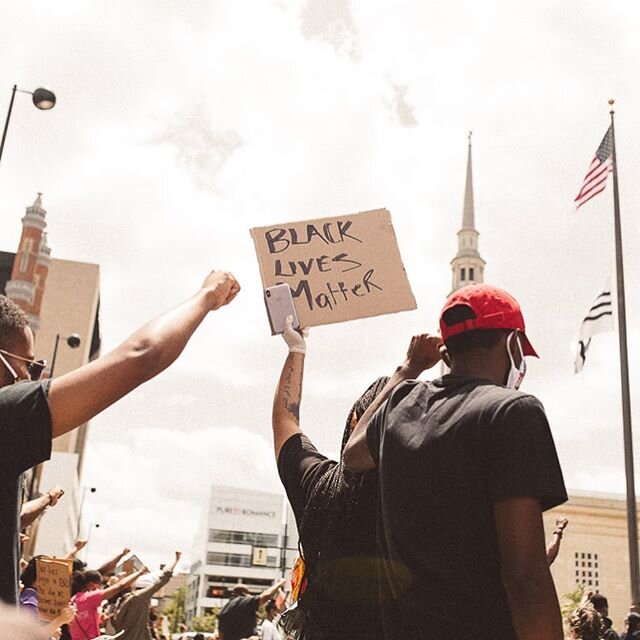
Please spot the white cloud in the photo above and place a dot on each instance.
(153, 483)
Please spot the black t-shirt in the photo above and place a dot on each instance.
(237, 619)
(347, 605)
(446, 451)
(25, 441)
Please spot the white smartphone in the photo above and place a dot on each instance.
(279, 302)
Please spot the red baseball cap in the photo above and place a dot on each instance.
(493, 308)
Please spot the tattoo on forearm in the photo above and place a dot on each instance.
(294, 410)
(291, 389)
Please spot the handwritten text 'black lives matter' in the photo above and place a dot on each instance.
(337, 288)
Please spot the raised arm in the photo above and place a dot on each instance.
(110, 565)
(32, 509)
(147, 592)
(78, 546)
(554, 546)
(268, 594)
(286, 402)
(532, 597)
(124, 583)
(423, 353)
(172, 567)
(79, 395)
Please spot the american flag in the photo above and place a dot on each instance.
(596, 179)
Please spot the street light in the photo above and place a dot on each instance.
(42, 98)
(73, 341)
(92, 526)
(82, 499)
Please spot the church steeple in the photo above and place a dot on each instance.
(467, 267)
(468, 213)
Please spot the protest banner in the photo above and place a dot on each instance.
(53, 584)
(339, 268)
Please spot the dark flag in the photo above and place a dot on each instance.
(598, 319)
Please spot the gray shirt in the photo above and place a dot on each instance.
(132, 613)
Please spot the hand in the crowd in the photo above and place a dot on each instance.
(67, 614)
(80, 544)
(294, 337)
(178, 555)
(561, 524)
(125, 551)
(54, 495)
(423, 353)
(221, 288)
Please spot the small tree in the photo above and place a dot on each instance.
(571, 600)
(206, 622)
(174, 610)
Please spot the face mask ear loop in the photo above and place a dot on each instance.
(509, 339)
(523, 362)
(514, 381)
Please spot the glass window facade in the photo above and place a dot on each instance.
(244, 537)
(236, 559)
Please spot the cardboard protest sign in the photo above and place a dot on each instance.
(53, 584)
(339, 268)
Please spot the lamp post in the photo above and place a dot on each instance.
(82, 499)
(92, 526)
(42, 98)
(73, 341)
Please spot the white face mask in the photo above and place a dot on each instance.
(516, 374)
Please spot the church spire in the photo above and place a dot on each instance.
(467, 267)
(468, 214)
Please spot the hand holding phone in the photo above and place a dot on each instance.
(279, 302)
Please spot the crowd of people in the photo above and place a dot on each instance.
(429, 524)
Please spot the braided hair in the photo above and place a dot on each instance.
(586, 623)
(326, 526)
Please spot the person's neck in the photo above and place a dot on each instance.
(479, 365)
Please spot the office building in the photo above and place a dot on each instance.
(247, 537)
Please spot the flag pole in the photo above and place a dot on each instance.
(632, 523)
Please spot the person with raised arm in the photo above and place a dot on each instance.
(88, 594)
(335, 511)
(131, 613)
(108, 567)
(34, 411)
(466, 465)
(33, 508)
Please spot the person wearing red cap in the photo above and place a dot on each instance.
(466, 465)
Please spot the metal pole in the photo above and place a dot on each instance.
(6, 122)
(285, 537)
(632, 523)
(55, 353)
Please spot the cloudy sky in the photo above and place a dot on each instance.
(179, 126)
